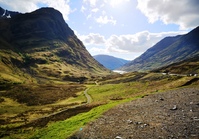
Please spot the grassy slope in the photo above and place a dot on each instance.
(188, 66)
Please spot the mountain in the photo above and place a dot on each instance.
(7, 14)
(167, 51)
(110, 62)
(188, 66)
(40, 45)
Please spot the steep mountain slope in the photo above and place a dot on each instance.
(187, 67)
(41, 45)
(110, 62)
(169, 50)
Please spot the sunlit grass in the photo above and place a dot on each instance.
(10, 106)
(77, 100)
(63, 129)
(108, 92)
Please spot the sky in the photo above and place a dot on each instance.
(120, 28)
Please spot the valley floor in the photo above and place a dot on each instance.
(117, 106)
(172, 114)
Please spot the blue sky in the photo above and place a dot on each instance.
(121, 28)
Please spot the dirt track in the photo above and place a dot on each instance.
(169, 115)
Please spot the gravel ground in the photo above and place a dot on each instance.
(169, 115)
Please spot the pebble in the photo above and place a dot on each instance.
(118, 137)
(129, 121)
(161, 99)
(174, 108)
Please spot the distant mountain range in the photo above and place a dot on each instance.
(167, 51)
(110, 62)
(40, 45)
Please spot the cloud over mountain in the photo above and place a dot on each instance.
(138, 42)
(93, 38)
(31, 5)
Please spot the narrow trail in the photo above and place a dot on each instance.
(88, 97)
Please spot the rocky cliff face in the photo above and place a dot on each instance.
(42, 44)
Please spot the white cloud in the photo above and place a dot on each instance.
(96, 50)
(184, 13)
(31, 5)
(95, 10)
(83, 9)
(92, 38)
(135, 43)
(105, 20)
(115, 3)
(92, 3)
(138, 42)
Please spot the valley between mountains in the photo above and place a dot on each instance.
(51, 87)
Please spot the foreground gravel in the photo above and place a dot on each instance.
(169, 115)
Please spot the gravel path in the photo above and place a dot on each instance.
(169, 115)
(88, 97)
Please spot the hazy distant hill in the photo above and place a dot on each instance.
(40, 44)
(110, 62)
(169, 50)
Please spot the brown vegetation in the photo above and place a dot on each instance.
(41, 94)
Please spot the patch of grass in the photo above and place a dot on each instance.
(10, 106)
(80, 98)
(108, 92)
(64, 129)
(11, 78)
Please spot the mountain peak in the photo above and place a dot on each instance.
(44, 23)
(48, 11)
